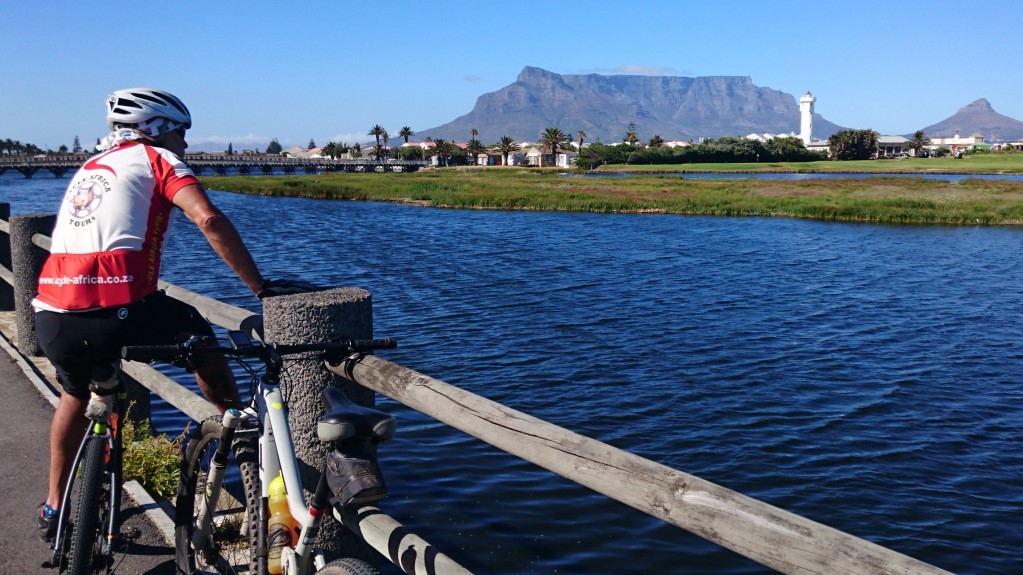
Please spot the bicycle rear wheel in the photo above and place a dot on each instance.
(234, 514)
(93, 502)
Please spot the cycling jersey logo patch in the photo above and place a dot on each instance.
(85, 198)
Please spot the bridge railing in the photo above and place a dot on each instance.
(771, 536)
(59, 165)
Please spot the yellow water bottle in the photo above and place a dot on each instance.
(280, 526)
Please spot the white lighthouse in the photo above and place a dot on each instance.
(806, 117)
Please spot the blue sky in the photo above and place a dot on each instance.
(329, 70)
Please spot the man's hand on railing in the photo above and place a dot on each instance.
(271, 288)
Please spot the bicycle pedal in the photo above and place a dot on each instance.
(130, 533)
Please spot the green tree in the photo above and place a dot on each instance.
(230, 149)
(409, 153)
(406, 132)
(580, 134)
(473, 132)
(312, 144)
(506, 146)
(631, 135)
(552, 140)
(656, 141)
(853, 144)
(76, 147)
(332, 150)
(443, 149)
(473, 151)
(376, 131)
(919, 144)
(274, 149)
(592, 156)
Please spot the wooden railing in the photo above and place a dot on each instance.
(766, 534)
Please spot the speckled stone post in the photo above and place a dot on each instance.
(6, 289)
(27, 262)
(340, 313)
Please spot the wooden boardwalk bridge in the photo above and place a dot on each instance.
(223, 165)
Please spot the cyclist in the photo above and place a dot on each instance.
(98, 288)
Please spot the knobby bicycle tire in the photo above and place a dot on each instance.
(229, 549)
(85, 531)
(348, 566)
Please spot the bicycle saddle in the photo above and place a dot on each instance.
(345, 419)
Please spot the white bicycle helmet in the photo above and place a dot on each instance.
(152, 112)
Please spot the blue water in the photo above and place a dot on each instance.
(864, 376)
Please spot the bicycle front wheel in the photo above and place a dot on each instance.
(232, 517)
(348, 566)
(93, 502)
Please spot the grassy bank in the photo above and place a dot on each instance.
(1001, 163)
(903, 200)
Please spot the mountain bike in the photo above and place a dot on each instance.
(84, 541)
(221, 518)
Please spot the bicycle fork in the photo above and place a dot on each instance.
(215, 480)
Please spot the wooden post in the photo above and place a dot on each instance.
(27, 262)
(6, 289)
(340, 313)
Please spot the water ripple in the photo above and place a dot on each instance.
(863, 376)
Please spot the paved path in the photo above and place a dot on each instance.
(26, 409)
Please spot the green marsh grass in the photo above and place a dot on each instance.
(895, 199)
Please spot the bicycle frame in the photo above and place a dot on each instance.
(276, 455)
(96, 431)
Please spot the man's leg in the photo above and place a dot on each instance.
(217, 383)
(66, 432)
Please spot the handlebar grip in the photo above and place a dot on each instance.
(368, 344)
(148, 353)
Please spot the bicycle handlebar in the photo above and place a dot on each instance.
(195, 348)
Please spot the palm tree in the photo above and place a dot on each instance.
(506, 146)
(580, 134)
(442, 149)
(551, 140)
(406, 132)
(473, 151)
(473, 132)
(919, 143)
(656, 142)
(376, 131)
(385, 136)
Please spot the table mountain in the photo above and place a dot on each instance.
(674, 107)
(977, 118)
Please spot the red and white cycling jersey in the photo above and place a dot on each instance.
(111, 229)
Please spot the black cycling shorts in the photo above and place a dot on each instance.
(86, 346)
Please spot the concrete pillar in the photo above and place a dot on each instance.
(340, 313)
(27, 261)
(6, 289)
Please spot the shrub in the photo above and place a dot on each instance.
(151, 460)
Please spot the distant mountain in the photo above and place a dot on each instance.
(674, 107)
(977, 118)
